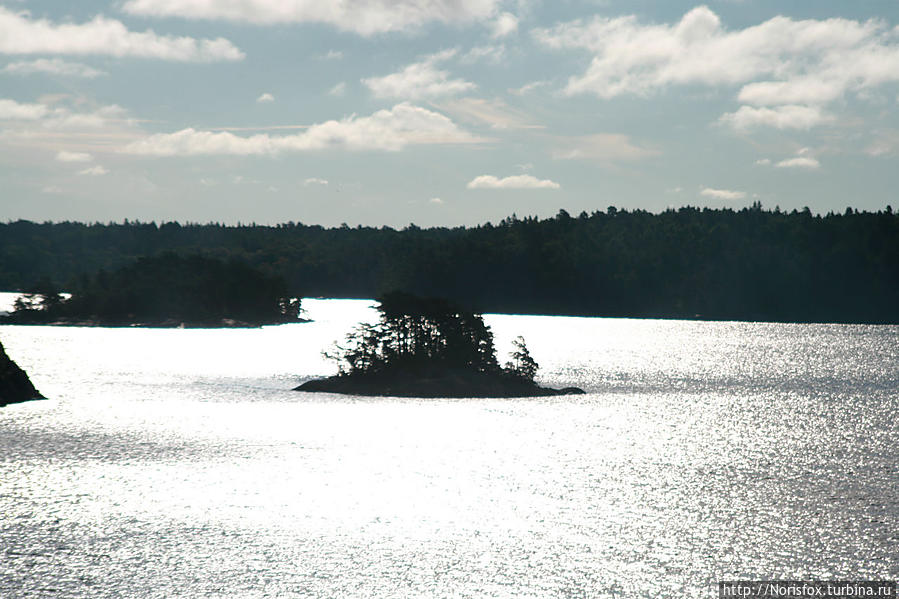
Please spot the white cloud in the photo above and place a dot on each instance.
(493, 53)
(505, 24)
(886, 142)
(365, 17)
(780, 62)
(386, 130)
(94, 171)
(779, 117)
(338, 90)
(799, 162)
(315, 181)
(528, 87)
(437, 201)
(266, 97)
(419, 80)
(12, 110)
(65, 156)
(513, 182)
(19, 34)
(67, 127)
(605, 147)
(805, 90)
(50, 114)
(722, 194)
(65, 118)
(53, 66)
(803, 159)
(495, 113)
(635, 58)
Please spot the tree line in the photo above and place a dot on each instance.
(748, 264)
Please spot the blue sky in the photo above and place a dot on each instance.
(442, 112)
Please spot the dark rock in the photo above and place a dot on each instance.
(15, 387)
(572, 391)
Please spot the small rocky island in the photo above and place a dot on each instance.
(167, 290)
(15, 386)
(429, 348)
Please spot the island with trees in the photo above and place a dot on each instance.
(167, 290)
(15, 386)
(428, 347)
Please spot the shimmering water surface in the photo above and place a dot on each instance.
(178, 463)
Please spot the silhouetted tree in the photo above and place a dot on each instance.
(522, 365)
(417, 334)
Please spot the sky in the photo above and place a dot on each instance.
(442, 112)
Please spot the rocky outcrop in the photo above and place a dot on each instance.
(448, 383)
(15, 385)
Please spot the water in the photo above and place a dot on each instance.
(178, 463)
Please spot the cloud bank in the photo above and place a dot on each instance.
(12, 110)
(94, 171)
(779, 117)
(800, 162)
(365, 17)
(20, 34)
(65, 156)
(722, 194)
(513, 182)
(505, 24)
(386, 130)
(785, 69)
(53, 66)
(419, 80)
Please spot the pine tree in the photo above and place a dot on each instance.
(522, 364)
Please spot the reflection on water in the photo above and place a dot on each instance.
(177, 463)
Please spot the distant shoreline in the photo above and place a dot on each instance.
(226, 323)
(746, 265)
(4, 319)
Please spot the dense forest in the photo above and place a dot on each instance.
(749, 264)
(164, 290)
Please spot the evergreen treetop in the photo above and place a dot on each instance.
(416, 335)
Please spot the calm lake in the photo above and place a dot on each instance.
(178, 463)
